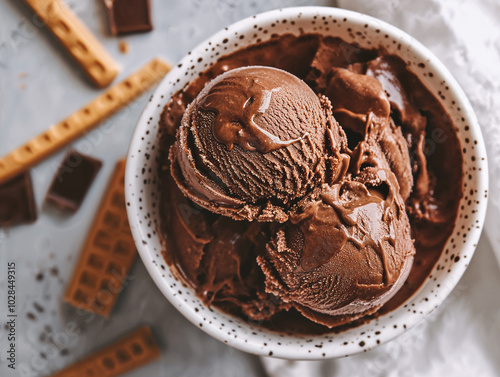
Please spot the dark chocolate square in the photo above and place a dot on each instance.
(17, 202)
(129, 16)
(72, 181)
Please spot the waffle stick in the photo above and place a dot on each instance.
(83, 120)
(130, 352)
(77, 39)
(107, 255)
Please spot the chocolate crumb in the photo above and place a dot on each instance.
(54, 271)
(38, 307)
(123, 47)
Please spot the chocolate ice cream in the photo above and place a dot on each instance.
(346, 253)
(306, 220)
(253, 142)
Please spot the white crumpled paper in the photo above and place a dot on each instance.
(461, 338)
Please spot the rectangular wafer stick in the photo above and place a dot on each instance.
(78, 40)
(82, 120)
(108, 252)
(130, 352)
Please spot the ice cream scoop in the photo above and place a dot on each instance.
(253, 142)
(347, 253)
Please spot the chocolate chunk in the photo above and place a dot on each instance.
(128, 16)
(17, 203)
(73, 180)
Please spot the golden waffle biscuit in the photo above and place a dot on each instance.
(82, 120)
(132, 351)
(79, 41)
(107, 255)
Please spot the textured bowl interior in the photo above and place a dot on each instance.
(142, 191)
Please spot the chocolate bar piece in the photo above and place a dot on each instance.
(128, 16)
(72, 180)
(17, 203)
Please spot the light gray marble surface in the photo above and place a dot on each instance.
(40, 85)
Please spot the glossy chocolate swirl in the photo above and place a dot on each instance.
(236, 101)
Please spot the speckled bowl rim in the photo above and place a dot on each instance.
(142, 196)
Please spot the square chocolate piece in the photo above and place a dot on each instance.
(17, 202)
(128, 16)
(72, 181)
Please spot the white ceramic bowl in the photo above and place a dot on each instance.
(142, 192)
